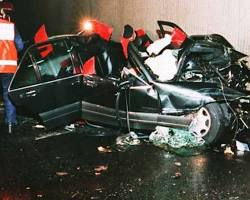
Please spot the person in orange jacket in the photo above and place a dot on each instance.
(10, 43)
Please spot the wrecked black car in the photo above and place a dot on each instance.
(198, 83)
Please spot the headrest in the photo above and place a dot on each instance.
(128, 31)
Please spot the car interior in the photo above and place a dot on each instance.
(109, 59)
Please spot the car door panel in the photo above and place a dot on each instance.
(141, 95)
(144, 98)
(99, 91)
(54, 103)
(54, 99)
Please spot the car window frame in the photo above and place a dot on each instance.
(64, 40)
(28, 52)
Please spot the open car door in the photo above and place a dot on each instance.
(47, 84)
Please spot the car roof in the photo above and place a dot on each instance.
(62, 36)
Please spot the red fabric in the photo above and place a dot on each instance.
(124, 43)
(76, 70)
(140, 32)
(178, 37)
(104, 30)
(41, 36)
(89, 67)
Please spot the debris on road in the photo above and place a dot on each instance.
(177, 141)
(100, 169)
(61, 173)
(178, 164)
(242, 146)
(228, 151)
(38, 126)
(128, 139)
(177, 175)
(104, 149)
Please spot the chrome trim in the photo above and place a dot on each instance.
(44, 83)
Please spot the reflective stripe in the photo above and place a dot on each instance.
(8, 62)
(9, 69)
(7, 31)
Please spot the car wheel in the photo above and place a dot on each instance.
(209, 123)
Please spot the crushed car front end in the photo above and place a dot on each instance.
(241, 107)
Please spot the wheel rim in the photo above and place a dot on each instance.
(202, 123)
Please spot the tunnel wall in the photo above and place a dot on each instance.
(229, 18)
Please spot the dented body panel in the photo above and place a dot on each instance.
(182, 97)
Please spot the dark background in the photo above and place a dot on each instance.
(26, 18)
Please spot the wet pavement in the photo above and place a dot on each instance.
(75, 166)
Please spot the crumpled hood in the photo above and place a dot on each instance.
(181, 97)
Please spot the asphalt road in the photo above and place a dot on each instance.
(56, 166)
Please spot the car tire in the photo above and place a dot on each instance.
(210, 123)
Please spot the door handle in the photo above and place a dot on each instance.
(90, 83)
(30, 93)
(76, 82)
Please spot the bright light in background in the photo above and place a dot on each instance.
(92, 26)
(87, 26)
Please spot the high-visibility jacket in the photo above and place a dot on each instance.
(8, 52)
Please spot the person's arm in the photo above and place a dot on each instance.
(18, 41)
